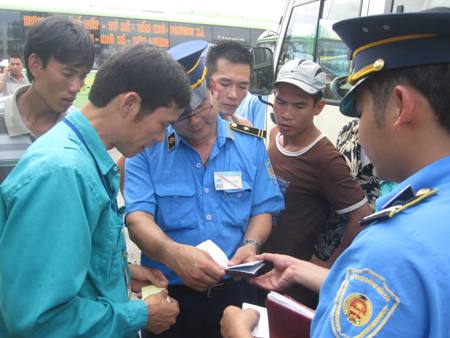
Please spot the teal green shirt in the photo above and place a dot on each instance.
(62, 252)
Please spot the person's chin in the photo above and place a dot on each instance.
(285, 130)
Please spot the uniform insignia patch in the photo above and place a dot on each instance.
(363, 305)
(357, 309)
(171, 141)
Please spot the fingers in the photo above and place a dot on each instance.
(156, 277)
(201, 272)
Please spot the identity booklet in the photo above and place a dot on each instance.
(249, 269)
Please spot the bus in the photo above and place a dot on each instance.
(114, 28)
(305, 32)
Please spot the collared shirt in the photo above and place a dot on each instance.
(393, 279)
(11, 84)
(62, 262)
(170, 182)
(15, 137)
(253, 110)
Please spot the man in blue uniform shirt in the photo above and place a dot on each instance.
(393, 279)
(209, 180)
(63, 268)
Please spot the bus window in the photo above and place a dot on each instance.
(298, 42)
(331, 52)
(418, 5)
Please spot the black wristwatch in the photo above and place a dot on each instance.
(253, 242)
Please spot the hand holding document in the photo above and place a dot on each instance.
(150, 290)
(261, 329)
(244, 270)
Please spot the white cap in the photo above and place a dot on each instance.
(304, 74)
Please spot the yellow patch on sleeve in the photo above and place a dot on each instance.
(363, 304)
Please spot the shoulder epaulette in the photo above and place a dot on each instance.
(398, 204)
(261, 133)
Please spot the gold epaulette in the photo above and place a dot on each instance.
(261, 133)
(396, 208)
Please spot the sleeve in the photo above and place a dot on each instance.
(267, 197)
(338, 186)
(365, 296)
(139, 191)
(46, 247)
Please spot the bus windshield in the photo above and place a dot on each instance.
(308, 38)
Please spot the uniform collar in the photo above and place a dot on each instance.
(95, 144)
(431, 176)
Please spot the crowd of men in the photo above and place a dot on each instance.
(196, 171)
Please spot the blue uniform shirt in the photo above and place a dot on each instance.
(253, 110)
(62, 267)
(393, 280)
(175, 187)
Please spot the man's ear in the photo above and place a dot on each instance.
(213, 86)
(35, 64)
(403, 98)
(318, 107)
(130, 105)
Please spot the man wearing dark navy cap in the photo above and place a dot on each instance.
(210, 180)
(393, 279)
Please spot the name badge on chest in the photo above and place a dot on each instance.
(227, 180)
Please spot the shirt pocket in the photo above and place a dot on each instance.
(177, 207)
(109, 252)
(237, 204)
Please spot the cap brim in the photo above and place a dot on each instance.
(299, 84)
(197, 96)
(348, 103)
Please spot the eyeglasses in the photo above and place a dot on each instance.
(184, 119)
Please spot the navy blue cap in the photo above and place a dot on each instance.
(392, 41)
(188, 55)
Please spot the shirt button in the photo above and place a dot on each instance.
(208, 217)
(115, 168)
(238, 195)
(198, 165)
(206, 190)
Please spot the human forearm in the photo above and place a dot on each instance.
(288, 271)
(259, 228)
(194, 266)
(149, 237)
(257, 232)
(311, 275)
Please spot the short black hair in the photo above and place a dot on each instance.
(231, 51)
(145, 69)
(432, 81)
(58, 37)
(14, 56)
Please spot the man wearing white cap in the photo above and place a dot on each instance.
(312, 174)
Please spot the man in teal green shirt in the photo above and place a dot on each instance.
(63, 268)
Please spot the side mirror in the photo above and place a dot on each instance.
(262, 75)
(339, 87)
